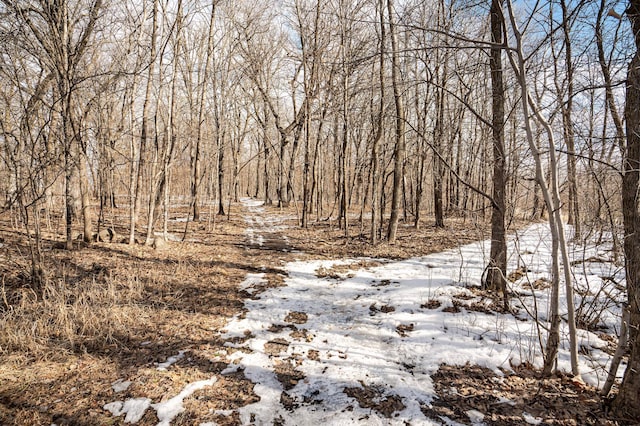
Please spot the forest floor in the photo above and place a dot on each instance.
(253, 320)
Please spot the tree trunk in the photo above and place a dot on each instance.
(171, 129)
(309, 81)
(551, 191)
(305, 172)
(133, 172)
(567, 121)
(627, 403)
(282, 180)
(375, 148)
(438, 169)
(344, 185)
(68, 196)
(266, 144)
(497, 268)
(85, 197)
(606, 74)
(297, 132)
(221, 147)
(399, 151)
(143, 131)
(343, 216)
(195, 158)
(553, 340)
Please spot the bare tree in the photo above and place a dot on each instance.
(138, 165)
(399, 150)
(164, 144)
(63, 40)
(551, 190)
(195, 157)
(497, 268)
(627, 402)
(379, 132)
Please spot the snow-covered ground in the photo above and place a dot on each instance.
(388, 325)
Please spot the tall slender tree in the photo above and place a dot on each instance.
(399, 150)
(139, 161)
(550, 189)
(627, 403)
(497, 268)
(379, 132)
(203, 85)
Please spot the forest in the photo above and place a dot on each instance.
(164, 165)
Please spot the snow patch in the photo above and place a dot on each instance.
(120, 385)
(133, 408)
(168, 410)
(251, 281)
(531, 419)
(475, 416)
(163, 366)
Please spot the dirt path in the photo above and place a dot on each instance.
(264, 231)
(264, 250)
(266, 246)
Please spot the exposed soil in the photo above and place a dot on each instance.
(178, 296)
(376, 398)
(276, 346)
(296, 318)
(287, 373)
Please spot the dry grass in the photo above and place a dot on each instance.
(87, 301)
(112, 311)
(92, 313)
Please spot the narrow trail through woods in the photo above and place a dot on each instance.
(264, 231)
(266, 245)
(358, 341)
(363, 341)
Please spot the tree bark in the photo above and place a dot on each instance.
(567, 121)
(497, 268)
(606, 74)
(627, 403)
(438, 168)
(221, 147)
(163, 153)
(399, 151)
(195, 159)
(375, 148)
(139, 168)
(83, 171)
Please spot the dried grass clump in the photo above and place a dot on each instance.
(90, 314)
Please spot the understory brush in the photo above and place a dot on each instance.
(89, 313)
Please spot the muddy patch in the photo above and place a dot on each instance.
(276, 346)
(375, 398)
(288, 375)
(296, 318)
